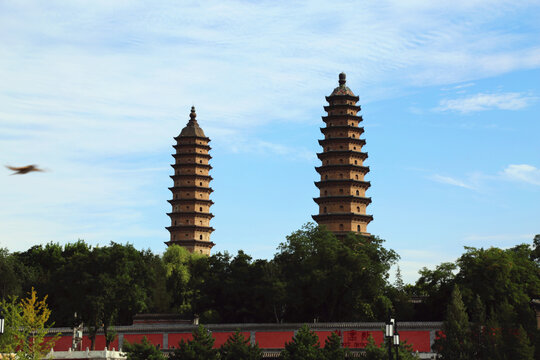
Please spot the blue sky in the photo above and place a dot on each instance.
(95, 91)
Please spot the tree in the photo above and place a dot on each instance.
(143, 351)
(374, 352)
(237, 347)
(26, 327)
(332, 348)
(303, 346)
(455, 341)
(199, 348)
(333, 279)
(435, 287)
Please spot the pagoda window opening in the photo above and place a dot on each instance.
(357, 193)
(356, 177)
(355, 162)
(341, 176)
(325, 177)
(358, 209)
(341, 227)
(340, 207)
(324, 210)
(354, 148)
(358, 228)
(174, 222)
(200, 223)
(200, 209)
(200, 238)
(353, 135)
(200, 161)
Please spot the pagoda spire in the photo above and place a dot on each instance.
(190, 215)
(342, 200)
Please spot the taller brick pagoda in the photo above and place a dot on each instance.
(342, 200)
(190, 216)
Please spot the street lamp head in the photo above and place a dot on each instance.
(389, 329)
(396, 339)
(1, 323)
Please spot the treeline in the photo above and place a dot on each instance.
(313, 276)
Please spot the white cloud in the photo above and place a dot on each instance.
(483, 101)
(452, 181)
(523, 173)
(499, 237)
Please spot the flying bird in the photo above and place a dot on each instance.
(23, 169)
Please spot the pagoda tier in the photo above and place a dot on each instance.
(342, 201)
(190, 215)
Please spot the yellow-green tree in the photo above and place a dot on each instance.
(26, 327)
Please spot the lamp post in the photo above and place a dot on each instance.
(395, 339)
(389, 333)
(1, 322)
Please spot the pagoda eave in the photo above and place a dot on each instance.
(192, 243)
(196, 165)
(192, 137)
(341, 117)
(190, 201)
(182, 155)
(190, 227)
(191, 176)
(328, 108)
(200, 146)
(194, 188)
(352, 198)
(342, 97)
(324, 130)
(360, 183)
(344, 216)
(191, 213)
(332, 153)
(364, 169)
(332, 140)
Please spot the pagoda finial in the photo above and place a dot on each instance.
(342, 79)
(193, 114)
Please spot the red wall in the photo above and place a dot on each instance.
(273, 339)
(221, 337)
(137, 338)
(174, 339)
(354, 339)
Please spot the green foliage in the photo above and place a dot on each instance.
(142, 351)
(12, 322)
(26, 327)
(199, 348)
(374, 352)
(177, 263)
(237, 347)
(455, 341)
(333, 280)
(332, 348)
(303, 346)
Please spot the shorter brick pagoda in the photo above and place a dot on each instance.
(190, 216)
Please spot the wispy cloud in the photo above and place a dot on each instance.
(523, 173)
(452, 181)
(485, 101)
(499, 237)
